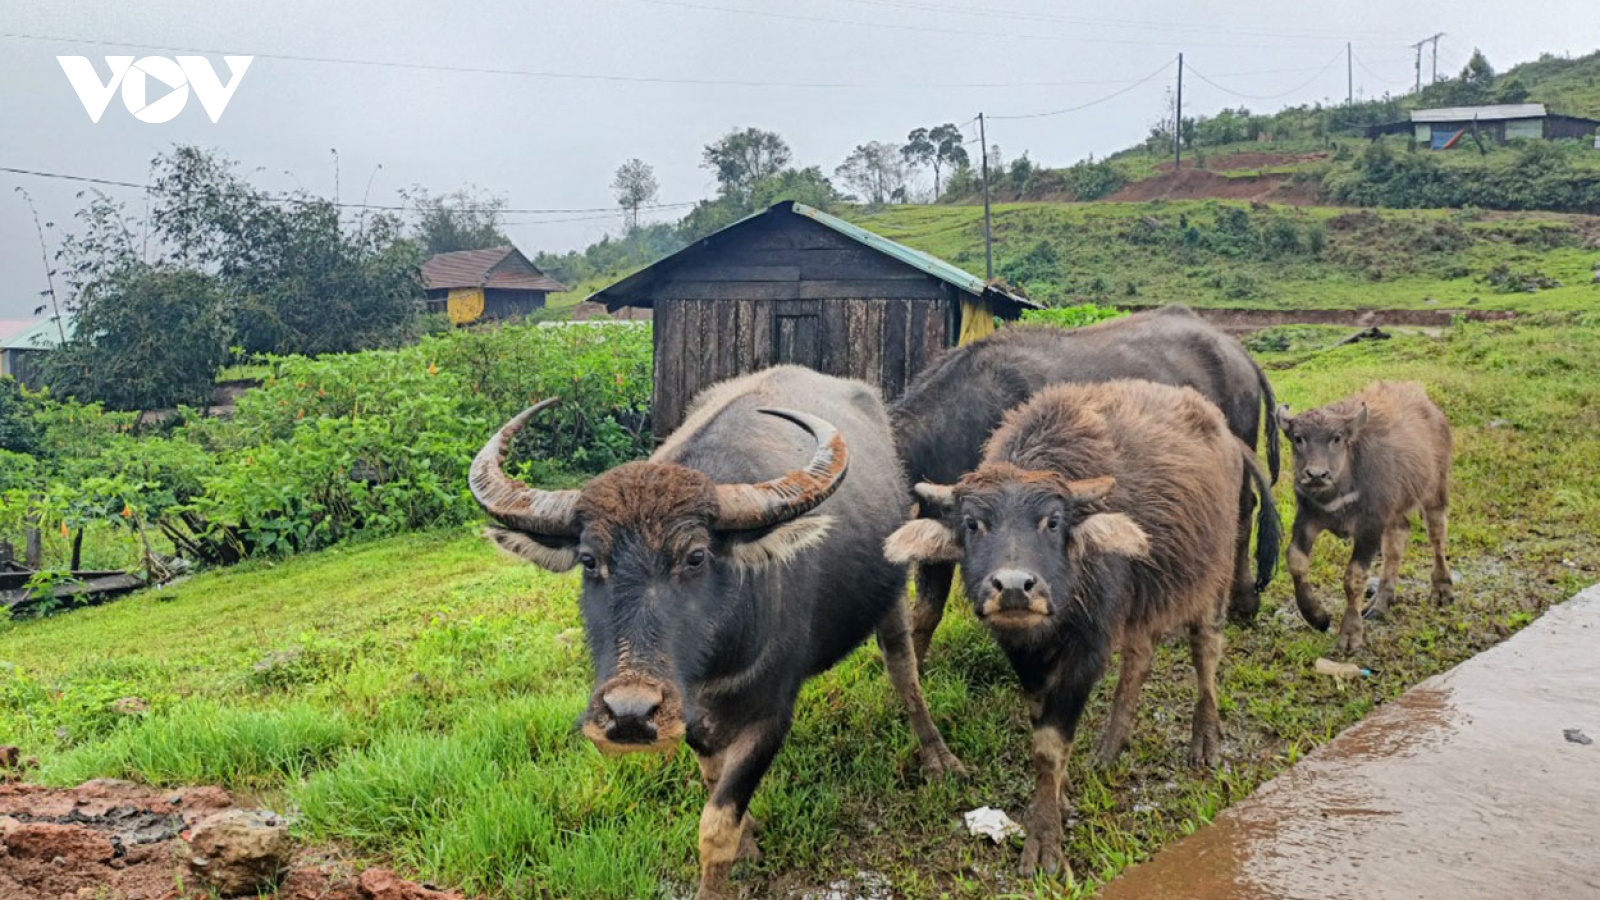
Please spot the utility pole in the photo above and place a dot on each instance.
(1418, 47)
(1177, 122)
(1349, 76)
(988, 237)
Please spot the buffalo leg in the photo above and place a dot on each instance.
(1394, 550)
(1205, 646)
(933, 589)
(1053, 729)
(894, 639)
(1305, 537)
(1355, 590)
(1137, 653)
(724, 822)
(1438, 525)
(1245, 602)
(711, 774)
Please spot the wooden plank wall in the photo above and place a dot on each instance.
(799, 293)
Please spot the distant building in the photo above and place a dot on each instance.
(792, 284)
(486, 285)
(23, 343)
(1447, 127)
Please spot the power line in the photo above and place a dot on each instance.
(290, 198)
(1379, 78)
(534, 73)
(1294, 90)
(1112, 96)
(934, 29)
(1142, 25)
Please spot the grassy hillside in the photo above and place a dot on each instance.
(1229, 253)
(413, 698)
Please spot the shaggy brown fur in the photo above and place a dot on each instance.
(670, 507)
(1362, 466)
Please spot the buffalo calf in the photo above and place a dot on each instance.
(1362, 466)
(1102, 517)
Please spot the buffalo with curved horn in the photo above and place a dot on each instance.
(718, 575)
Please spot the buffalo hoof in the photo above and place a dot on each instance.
(749, 851)
(1443, 594)
(1349, 641)
(1205, 748)
(1243, 607)
(1041, 855)
(1379, 608)
(1106, 753)
(939, 762)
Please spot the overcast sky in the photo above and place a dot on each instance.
(659, 79)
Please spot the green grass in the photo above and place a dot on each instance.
(413, 699)
(1134, 253)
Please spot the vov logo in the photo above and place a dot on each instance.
(135, 80)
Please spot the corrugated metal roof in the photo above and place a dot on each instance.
(36, 334)
(1481, 113)
(932, 265)
(496, 267)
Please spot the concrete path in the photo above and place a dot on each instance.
(1466, 787)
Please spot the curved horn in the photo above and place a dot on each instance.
(936, 498)
(744, 506)
(511, 502)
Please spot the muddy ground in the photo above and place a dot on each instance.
(115, 840)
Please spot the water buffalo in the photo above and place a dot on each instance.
(721, 573)
(1362, 466)
(1102, 516)
(953, 406)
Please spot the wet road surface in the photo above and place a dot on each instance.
(1465, 788)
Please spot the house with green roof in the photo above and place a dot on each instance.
(23, 343)
(792, 284)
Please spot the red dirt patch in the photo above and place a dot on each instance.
(1198, 184)
(1254, 160)
(115, 840)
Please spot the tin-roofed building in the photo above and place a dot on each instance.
(1448, 127)
(486, 285)
(793, 284)
(23, 343)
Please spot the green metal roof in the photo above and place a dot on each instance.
(41, 336)
(931, 265)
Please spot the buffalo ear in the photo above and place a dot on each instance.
(1111, 533)
(922, 541)
(556, 554)
(778, 545)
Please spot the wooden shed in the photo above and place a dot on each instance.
(23, 344)
(485, 285)
(793, 284)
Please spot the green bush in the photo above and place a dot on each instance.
(1072, 316)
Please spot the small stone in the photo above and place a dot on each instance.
(382, 884)
(1577, 736)
(130, 706)
(239, 851)
(1499, 423)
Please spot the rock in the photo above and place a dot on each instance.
(46, 840)
(130, 706)
(239, 851)
(1576, 736)
(382, 884)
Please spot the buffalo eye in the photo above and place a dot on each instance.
(1053, 523)
(589, 563)
(1337, 439)
(695, 559)
(971, 524)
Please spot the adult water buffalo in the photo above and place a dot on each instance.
(1362, 466)
(714, 584)
(953, 406)
(1102, 517)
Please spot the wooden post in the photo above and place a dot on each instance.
(33, 555)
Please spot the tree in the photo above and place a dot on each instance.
(296, 277)
(460, 220)
(808, 186)
(936, 148)
(149, 335)
(877, 170)
(19, 433)
(635, 185)
(1477, 79)
(741, 158)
